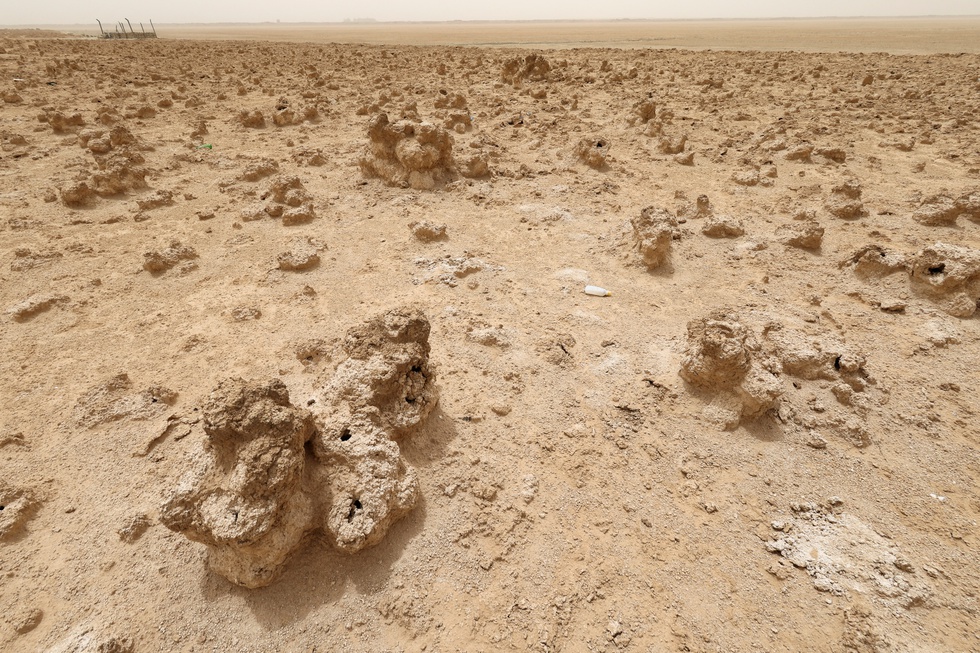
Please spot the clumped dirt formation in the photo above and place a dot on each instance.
(592, 151)
(244, 500)
(386, 375)
(256, 493)
(724, 358)
(409, 153)
(531, 67)
(950, 275)
(232, 271)
(653, 232)
(18, 505)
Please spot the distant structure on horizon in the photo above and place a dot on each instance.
(121, 33)
(360, 20)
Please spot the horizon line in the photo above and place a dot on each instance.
(369, 21)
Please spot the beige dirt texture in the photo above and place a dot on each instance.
(297, 354)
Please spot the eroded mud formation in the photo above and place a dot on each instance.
(653, 232)
(724, 358)
(408, 153)
(950, 276)
(258, 491)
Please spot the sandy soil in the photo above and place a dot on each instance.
(765, 439)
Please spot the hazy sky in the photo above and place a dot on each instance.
(54, 12)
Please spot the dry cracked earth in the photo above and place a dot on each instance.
(296, 354)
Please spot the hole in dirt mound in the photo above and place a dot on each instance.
(938, 269)
(345, 436)
(355, 507)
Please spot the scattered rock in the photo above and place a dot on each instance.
(906, 144)
(260, 169)
(251, 119)
(112, 400)
(386, 374)
(490, 337)
(645, 110)
(835, 154)
(672, 144)
(475, 166)
(746, 178)
(27, 620)
(158, 262)
(428, 232)
(243, 499)
(684, 159)
(942, 210)
(156, 200)
(303, 254)
(258, 489)
(87, 639)
(940, 333)
(77, 194)
(529, 68)
(298, 215)
(133, 528)
(12, 439)
(845, 201)
(805, 235)
(874, 261)
(723, 227)
(800, 152)
(245, 313)
(815, 440)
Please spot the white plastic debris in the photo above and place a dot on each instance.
(596, 291)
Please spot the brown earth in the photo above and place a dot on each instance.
(351, 358)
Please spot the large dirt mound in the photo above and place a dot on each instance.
(405, 153)
(256, 490)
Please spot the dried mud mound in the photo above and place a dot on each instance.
(378, 394)
(258, 491)
(949, 275)
(724, 358)
(407, 153)
(529, 68)
(387, 372)
(653, 232)
(943, 210)
(16, 508)
(592, 151)
(244, 501)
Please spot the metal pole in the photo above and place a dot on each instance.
(100, 27)
(130, 26)
(153, 28)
